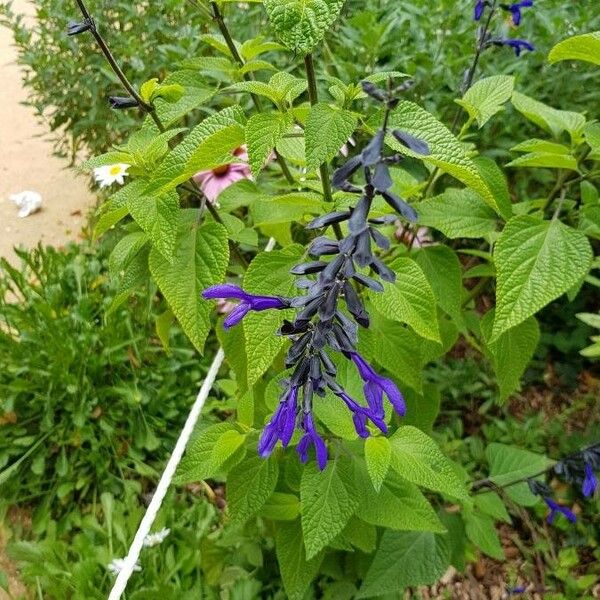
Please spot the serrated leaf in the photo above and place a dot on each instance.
(584, 47)
(361, 535)
(296, 206)
(333, 413)
(446, 152)
(417, 458)
(482, 532)
(281, 507)
(269, 274)
(458, 213)
(249, 485)
(536, 262)
(405, 559)
(487, 97)
(127, 247)
(511, 352)
(200, 260)
(537, 145)
(545, 159)
(548, 118)
(329, 498)
(327, 130)
(263, 131)
(159, 218)
(258, 88)
(297, 572)
(378, 454)
(410, 299)
(496, 181)
(302, 24)
(226, 445)
(443, 271)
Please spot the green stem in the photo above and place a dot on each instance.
(313, 97)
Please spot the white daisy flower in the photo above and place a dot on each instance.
(109, 174)
(154, 539)
(117, 564)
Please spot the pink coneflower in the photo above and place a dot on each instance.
(213, 182)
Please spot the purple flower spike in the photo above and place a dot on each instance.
(590, 482)
(515, 10)
(247, 303)
(282, 424)
(375, 386)
(556, 508)
(479, 8)
(311, 437)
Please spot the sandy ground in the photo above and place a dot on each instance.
(26, 163)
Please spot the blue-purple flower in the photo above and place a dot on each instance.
(375, 386)
(479, 8)
(282, 424)
(311, 438)
(360, 415)
(556, 508)
(247, 303)
(515, 10)
(590, 482)
(517, 45)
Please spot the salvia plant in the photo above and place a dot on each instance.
(374, 269)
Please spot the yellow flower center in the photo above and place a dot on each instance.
(115, 170)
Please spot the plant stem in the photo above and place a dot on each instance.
(218, 18)
(313, 96)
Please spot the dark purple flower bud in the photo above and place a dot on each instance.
(339, 340)
(343, 174)
(358, 220)
(75, 28)
(122, 102)
(355, 306)
(322, 246)
(328, 308)
(415, 144)
(382, 180)
(538, 488)
(372, 90)
(406, 210)
(384, 220)
(247, 303)
(368, 282)
(329, 219)
(556, 508)
(281, 426)
(479, 8)
(330, 368)
(371, 155)
(297, 350)
(348, 326)
(379, 238)
(376, 385)
(517, 45)
(310, 310)
(300, 373)
(308, 268)
(363, 255)
(383, 270)
(311, 438)
(332, 269)
(590, 482)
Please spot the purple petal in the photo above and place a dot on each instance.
(224, 290)
(265, 302)
(590, 483)
(374, 397)
(394, 395)
(321, 449)
(360, 424)
(236, 315)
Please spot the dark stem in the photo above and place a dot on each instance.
(313, 97)
(218, 17)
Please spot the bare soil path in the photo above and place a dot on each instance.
(27, 163)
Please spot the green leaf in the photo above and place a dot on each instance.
(548, 118)
(511, 352)
(584, 47)
(405, 559)
(591, 134)
(417, 458)
(127, 247)
(249, 485)
(537, 145)
(536, 261)
(487, 97)
(199, 461)
(327, 130)
(281, 507)
(446, 152)
(443, 271)
(227, 445)
(297, 206)
(545, 159)
(361, 535)
(329, 499)
(495, 179)
(302, 24)
(491, 504)
(159, 218)
(200, 260)
(333, 413)
(296, 571)
(410, 299)
(233, 343)
(263, 131)
(268, 273)
(482, 532)
(422, 409)
(458, 213)
(378, 454)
